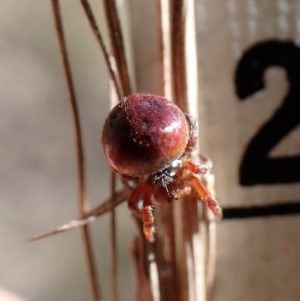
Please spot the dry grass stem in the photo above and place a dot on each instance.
(91, 216)
(83, 201)
(121, 72)
(165, 52)
(191, 250)
(113, 241)
(118, 50)
(164, 247)
(113, 73)
(211, 237)
(117, 45)
(173, 267)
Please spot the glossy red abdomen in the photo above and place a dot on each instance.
(143, 134)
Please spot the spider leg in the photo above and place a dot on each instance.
(146, 214)
(193, 133)
(148, 217)
(134, 198)
(205, 195)
(199, 169)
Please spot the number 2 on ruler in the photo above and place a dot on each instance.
(256, 166)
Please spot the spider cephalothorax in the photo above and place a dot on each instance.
(148, 137)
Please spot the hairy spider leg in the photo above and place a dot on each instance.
(148, 217)
(205, 195)
(198, 169)
(193, 133)
(134, 198)
(146, 214)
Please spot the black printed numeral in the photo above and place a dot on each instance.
(256, 166)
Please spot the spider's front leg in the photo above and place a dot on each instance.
(148, 217)
(205, 195)
(191, 146)
(146, 214)
(198, 169)
(164, 188)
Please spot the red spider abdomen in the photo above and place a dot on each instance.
(143, 134)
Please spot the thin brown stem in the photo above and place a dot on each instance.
(165, 244)
(115, 73)
(211, 232)
(117, 44)
(113, 226)
(118, 50)
(178, 22)
(191, 250)
(184, 56)
(113, 241)
(165, 52)
(83, 201)
(112, 72)
(91, 216)
(107, 205)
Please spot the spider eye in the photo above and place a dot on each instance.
(143, 134)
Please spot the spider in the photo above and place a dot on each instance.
(147, 139)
